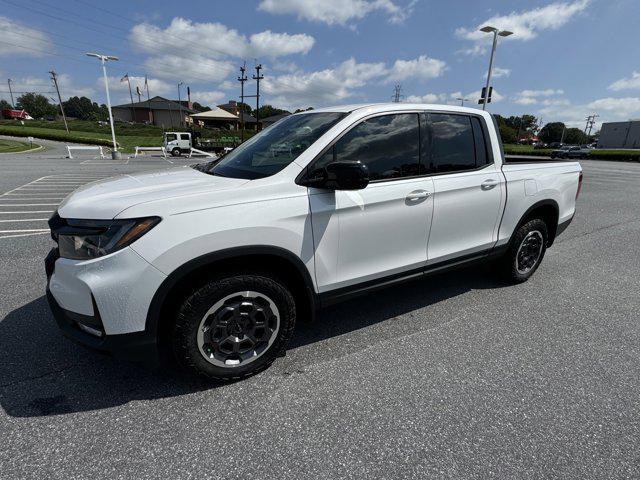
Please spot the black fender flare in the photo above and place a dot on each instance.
(542, 203)
(157, 303)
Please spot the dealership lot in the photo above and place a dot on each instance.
(455, 376)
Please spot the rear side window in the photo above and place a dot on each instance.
(388, 145)
(184, 136)
(452, 144)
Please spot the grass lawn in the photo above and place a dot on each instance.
(13, 146)
(128, 136)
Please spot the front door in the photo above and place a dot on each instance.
(382, 229)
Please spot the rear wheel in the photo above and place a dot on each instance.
(176, 152)
(234, 327)
(525, 252)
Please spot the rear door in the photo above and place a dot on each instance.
(382, 229)
(468, 187)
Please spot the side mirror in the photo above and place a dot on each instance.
(342, 175)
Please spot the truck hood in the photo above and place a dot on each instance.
(104, 199)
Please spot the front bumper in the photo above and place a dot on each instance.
(136, 346)
(103, 303)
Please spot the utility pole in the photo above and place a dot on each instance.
(54, 77)
(242, 78)
(591, 120)
(11, 93)
(397, 94)
(257, 77)
(146, 85)
(180, 102)
(564, 129)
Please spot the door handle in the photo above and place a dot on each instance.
(488, 184)
(418, 195)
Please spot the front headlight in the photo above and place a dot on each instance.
(86, 239)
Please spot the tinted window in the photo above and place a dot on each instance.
(275, 147)
(184, 136)
(387, 145)
(171, 137)
(452, 146)
(480, 142)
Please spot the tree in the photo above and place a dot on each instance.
(552, 132)
(303, 110)
(36, 105)
(508, 134)
(575, 136)
(4, 105)
(200, 108)
(83, 108)
(268, 111)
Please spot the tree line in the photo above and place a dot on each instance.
(516, 128)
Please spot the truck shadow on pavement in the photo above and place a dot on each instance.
(42, 373)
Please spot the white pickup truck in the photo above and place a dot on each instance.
(212, 265)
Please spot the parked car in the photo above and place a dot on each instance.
(539, 145)
(555, 145)
(214, 265)
(581, 151)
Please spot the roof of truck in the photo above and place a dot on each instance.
(386, 107)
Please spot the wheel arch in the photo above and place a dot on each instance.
(283, 263)
(548, 211)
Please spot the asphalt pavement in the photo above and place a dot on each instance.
(456, 376)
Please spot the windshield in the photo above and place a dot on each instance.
(275, 147)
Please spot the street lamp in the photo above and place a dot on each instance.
(462, 100)
(496, 32)
(115, 154)
(180, 101)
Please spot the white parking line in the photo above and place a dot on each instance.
(26, 204)
(13, 220)
(26, 211)
(32, 230)
(22, 234)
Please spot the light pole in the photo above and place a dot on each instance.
(11, 92)
(496, 32)
(180, 102)
(462, 100)
(115, 154)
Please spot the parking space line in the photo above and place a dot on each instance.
(26, 204)
(31, 230)
(22, 234)
(26, 211)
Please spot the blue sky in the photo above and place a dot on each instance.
(566, 59)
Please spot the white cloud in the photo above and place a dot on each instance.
(525, 25)
(22, 40)
(120, 90)
(321, 87)
(44, 85)
(426, 98)
(340, 12)
(621, 107)
(211, 98)
(531, 97)
(632, 83)
(194, 52)
(498, 72)
(214, 40)
(333, 85)
(421, 68)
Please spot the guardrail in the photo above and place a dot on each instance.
(150, 149)
(83, 147)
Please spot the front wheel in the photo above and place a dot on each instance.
(525, 252)
(234, 327)
(176, 152)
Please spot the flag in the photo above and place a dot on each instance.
(145, 82)
(125, 78)
(138, 91)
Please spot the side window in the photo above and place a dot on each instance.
(171, 137)
(388, 145)
(452, 146)
(184, 136)
(480, 142)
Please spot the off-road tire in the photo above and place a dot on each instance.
(508, 266)
(197, 304)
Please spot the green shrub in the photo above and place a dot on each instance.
(49, 134)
